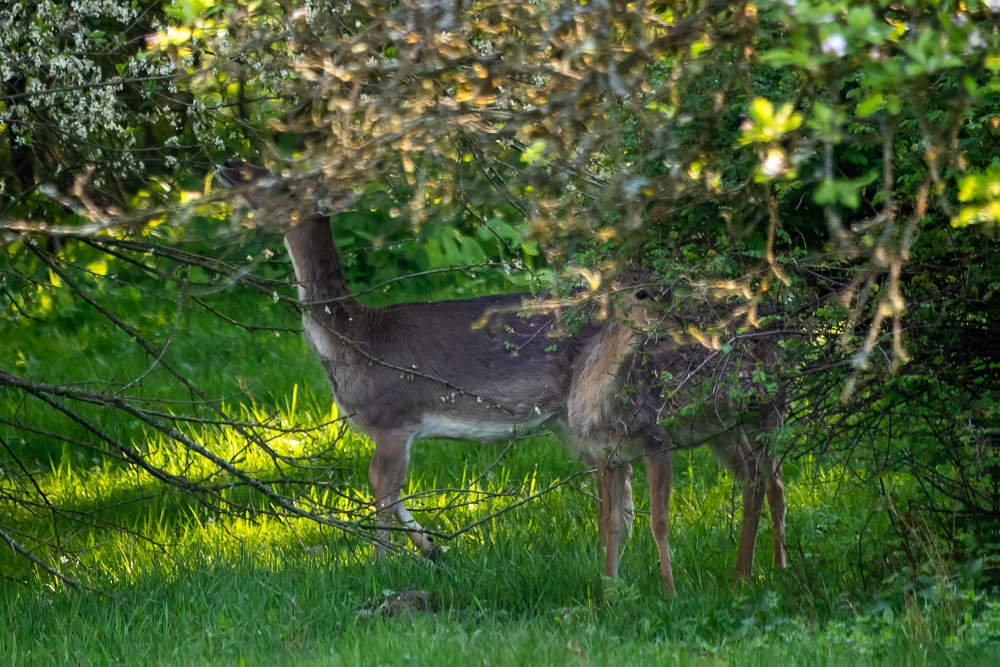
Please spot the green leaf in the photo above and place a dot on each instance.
(761, 110)
(870, 105)
(859, 17)
(472, 252)
(534, 152)
(778, 58)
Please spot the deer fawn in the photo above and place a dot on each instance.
(445, 369)
(624, 356)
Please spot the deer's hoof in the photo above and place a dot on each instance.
(432, 553)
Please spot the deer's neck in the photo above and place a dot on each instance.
(595, 401)
(325, 297)
(619, 343)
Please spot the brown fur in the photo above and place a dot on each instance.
(624, 355)
(486, 369)
(483, 369)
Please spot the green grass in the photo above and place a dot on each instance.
(523, 587)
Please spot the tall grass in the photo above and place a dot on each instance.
(177, 582)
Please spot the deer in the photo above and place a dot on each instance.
(632, 351)
(444, 369)
(441, 369)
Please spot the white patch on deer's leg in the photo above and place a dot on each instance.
(628, 504)
(414, 530)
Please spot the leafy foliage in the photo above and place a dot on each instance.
(822, 167)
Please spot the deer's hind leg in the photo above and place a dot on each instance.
(735, 453)
(773, 417)
(759, 475)
(753, 502)
(387, 473)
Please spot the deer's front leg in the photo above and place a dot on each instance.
(387, 474)
(613, 484)
(660, 474)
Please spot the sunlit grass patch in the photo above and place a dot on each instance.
(523, 585)
(223, 576)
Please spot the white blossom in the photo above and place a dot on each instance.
(835, 44)
(774, 163)
(976, 39)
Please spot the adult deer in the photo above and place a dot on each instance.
(444, 369)
(624, 358)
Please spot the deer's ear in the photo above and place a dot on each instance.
(256, 185)
(661, 290)
(237, 174)
(332, 204)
